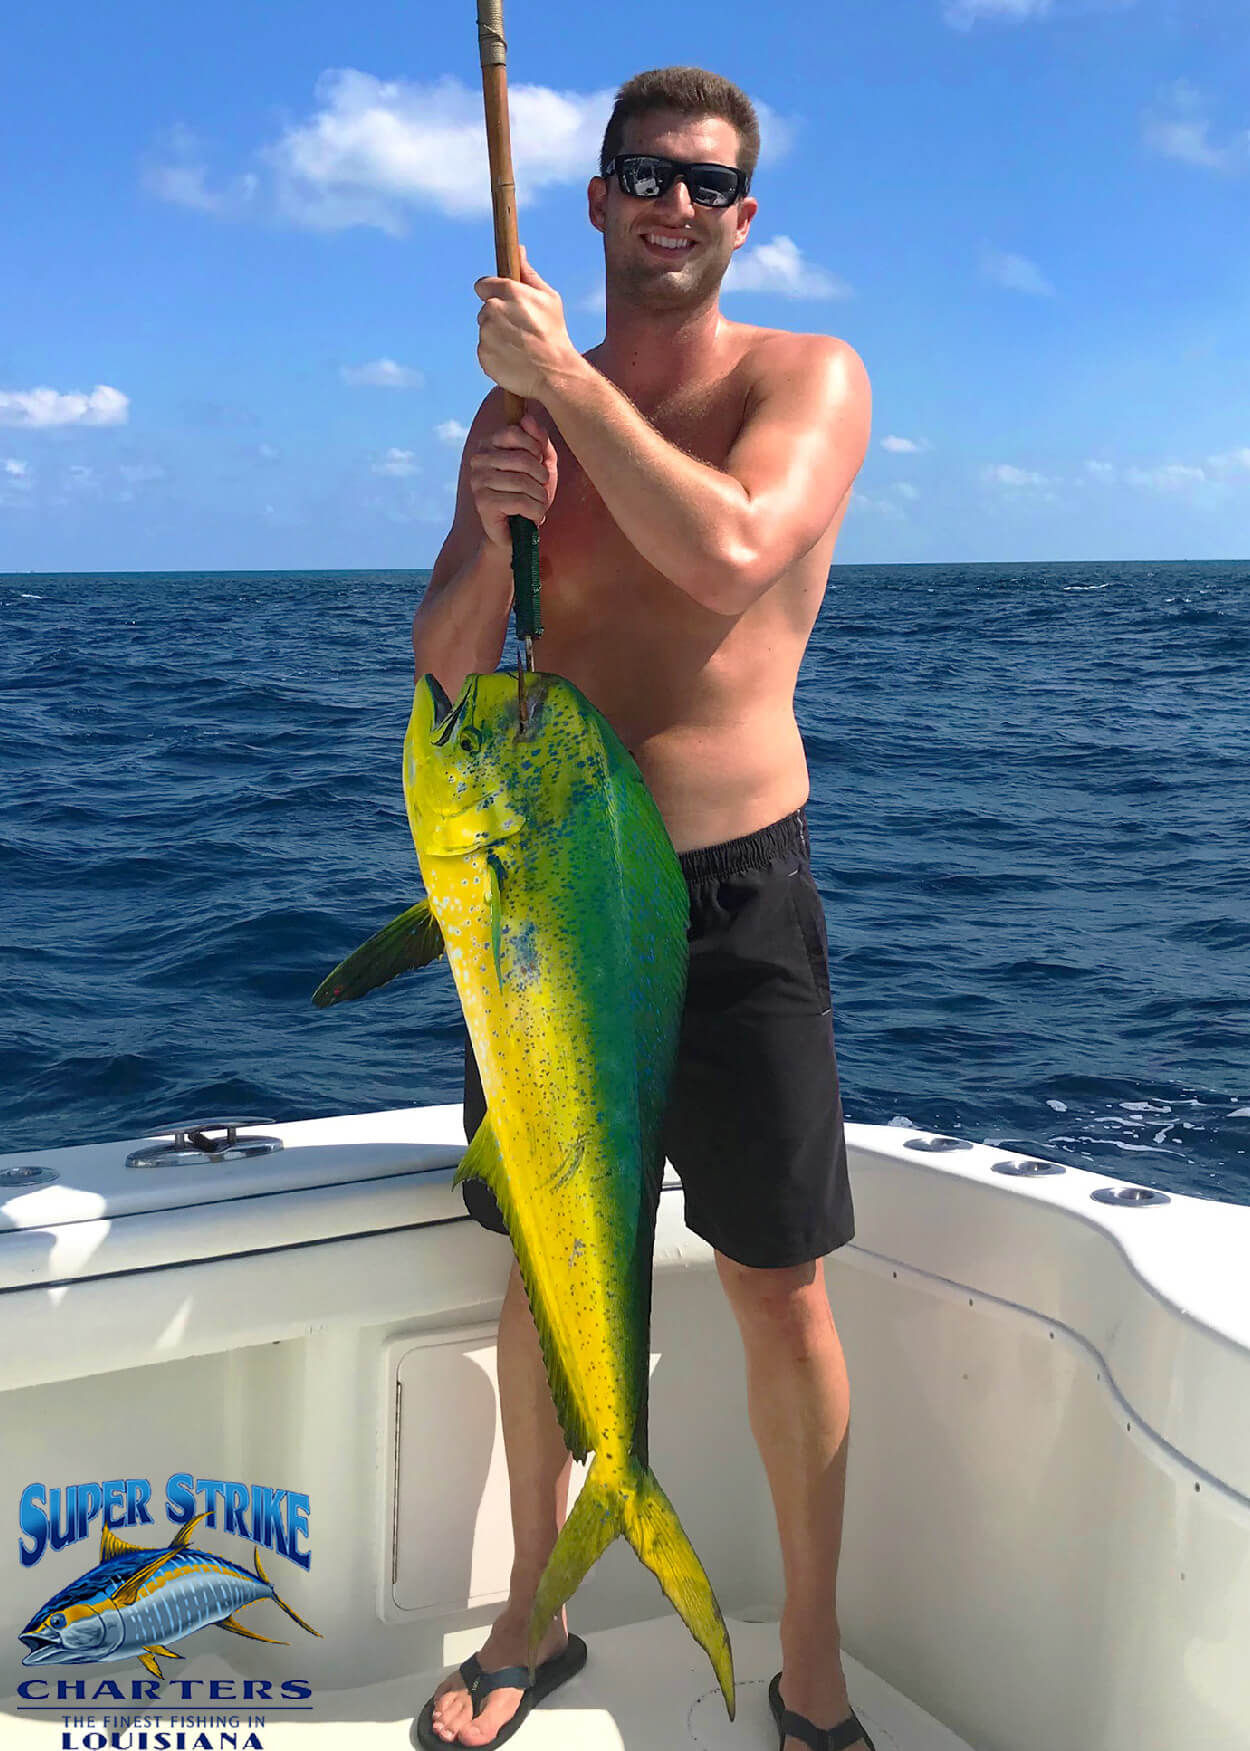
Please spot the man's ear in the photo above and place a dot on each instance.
(596, 198)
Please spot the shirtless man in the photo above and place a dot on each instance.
(703, 469)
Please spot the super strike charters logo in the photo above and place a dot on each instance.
(140, 1598)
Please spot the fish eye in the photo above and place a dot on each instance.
(57, 1620)
(470, 740)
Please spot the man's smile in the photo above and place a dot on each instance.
(665, 243)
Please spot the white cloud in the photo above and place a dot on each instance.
(904, 446)
(16, 467)
(374, 148)
(451, 432)
(49, 407)
(776, 132)
(1230, 460)
(1016, 272)
(381, 374)
(141, 473)
(779, 267)
(963, 14)
(268, 453)
(1181, 129)
(862, 501)
(595, 301)
(1005, 474)
(179, 175)
(905, 489)
(1100, 471)
(397, 462)
(1169, 477)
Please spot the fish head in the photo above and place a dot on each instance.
(476, 774)
(72, 1628)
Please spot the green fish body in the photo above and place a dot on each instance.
(563, 911)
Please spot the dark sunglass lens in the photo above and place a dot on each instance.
(713, 186)
(645, 178)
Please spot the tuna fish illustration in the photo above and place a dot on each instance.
(135, 1601)
(554, 888)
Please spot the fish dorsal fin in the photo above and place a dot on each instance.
(183, 1537)
(414, 939)
(111, 1545)
(483, 1160)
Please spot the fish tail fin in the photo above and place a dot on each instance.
(274, 1596)
(637, 1507)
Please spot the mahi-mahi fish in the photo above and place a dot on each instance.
(554, 888)
(137, 1600)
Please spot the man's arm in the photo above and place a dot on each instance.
(724, 536)
(462, 622)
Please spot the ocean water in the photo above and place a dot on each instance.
(1030, 817)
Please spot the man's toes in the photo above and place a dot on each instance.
(452, 1708)
(501, 1705)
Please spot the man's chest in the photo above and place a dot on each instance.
(580, 539)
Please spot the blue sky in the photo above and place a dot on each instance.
(237, 324)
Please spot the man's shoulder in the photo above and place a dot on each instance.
(781, 349)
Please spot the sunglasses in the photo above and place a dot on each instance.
(646, 178)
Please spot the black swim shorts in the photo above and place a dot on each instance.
(754, 1122)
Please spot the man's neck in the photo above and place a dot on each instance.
(645, 352)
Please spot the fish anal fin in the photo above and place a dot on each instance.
(146, 1659)
(170, 1653)
(483, 1160)
(236, 1628)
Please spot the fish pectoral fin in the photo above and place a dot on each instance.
(240, 1629)
(146, 1659)
(482, 1160)
(170, 1653)
(496, 916)
(132, 1586)
(412, 940)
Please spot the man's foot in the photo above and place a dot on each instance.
(506, 1645)
(819, 1694)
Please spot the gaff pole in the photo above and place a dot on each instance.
(508, 265)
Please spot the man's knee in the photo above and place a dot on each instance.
(790, 1297)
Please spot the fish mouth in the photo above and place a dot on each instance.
(41, 1646)
(446, 714)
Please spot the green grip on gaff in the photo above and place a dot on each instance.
(525, 597)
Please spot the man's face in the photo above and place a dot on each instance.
(645, 271)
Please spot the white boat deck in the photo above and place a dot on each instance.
(645, 1687)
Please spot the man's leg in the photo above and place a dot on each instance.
(539, 1464)
(798, 1400)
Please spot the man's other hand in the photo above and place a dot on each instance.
(513, 473)
(522, 337)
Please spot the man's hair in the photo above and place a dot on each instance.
(691, 91)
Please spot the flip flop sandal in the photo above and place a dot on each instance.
(549, 1676)
(793, 1726)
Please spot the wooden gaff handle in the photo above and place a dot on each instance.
(499, 145)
